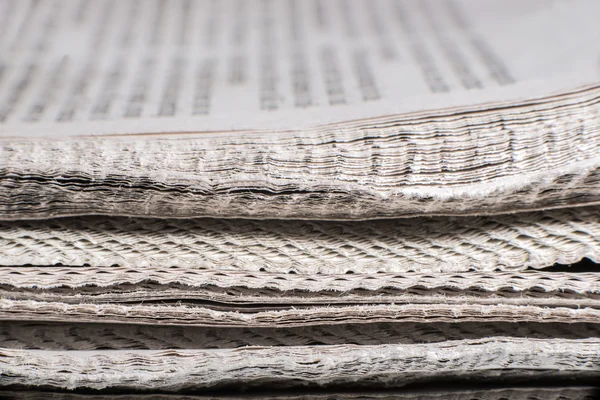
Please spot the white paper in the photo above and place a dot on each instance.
(105, 67)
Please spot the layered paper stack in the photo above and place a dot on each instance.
(517, 393)
(199, 195)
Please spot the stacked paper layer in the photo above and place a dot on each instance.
(230, 195)
(190, 304)
(538, 155)
(517, 393)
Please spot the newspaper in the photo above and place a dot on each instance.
(106, 67)
(129, 119)
(297, 109)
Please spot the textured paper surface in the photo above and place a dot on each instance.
(517, 393)
(347, 365)
(145, 246)
(136, 123)
(448, 111)
(66, 336)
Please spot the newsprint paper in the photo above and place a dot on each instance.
(319, 194)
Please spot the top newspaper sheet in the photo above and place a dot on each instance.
(105, 67)
(298, 109)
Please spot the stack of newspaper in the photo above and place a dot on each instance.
(208, 194)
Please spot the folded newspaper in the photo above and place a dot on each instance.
(258, 193)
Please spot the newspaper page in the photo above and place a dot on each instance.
(104, 67)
